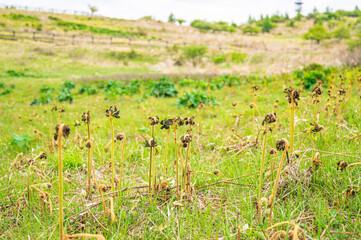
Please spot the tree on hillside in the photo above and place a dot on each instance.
(181, 21)
(317, 33)
(341, 32)
(267, 25)
(93, 9)
(195, 52)
(298, 17)
(250, 20)
(172, 18)
(251, 29)
(315, 11)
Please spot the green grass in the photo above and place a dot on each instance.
(215, 211)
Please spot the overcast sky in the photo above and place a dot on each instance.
(236, 11)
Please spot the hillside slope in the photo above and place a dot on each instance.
(283, 49)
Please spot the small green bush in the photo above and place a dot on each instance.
(341, 32)
(21, 140)
(251, 29)
(195, 52)
(317, 33)
(267, 25)
(193, 99)
(88, 90)
(164, 88)
(218, 59)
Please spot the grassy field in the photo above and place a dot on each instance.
(218, 148)
(220, 198)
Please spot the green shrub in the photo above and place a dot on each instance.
(131, 55)
(46, 89)
(43, 99)
(186, 82)
(21, 140)
(238, 57)
(298, 17)
(6, 91)
(291, 23)
(217, 83)
(215, 27)
(65, 94)
(201, 84)
(68, 85)
(133, 87)
(13, 73)
(88, 90)
(278, 19)
(251, 29)
(310, 78)
(341, 32)
(71, 26)
(267, 25)
(218, 59)
(193, 99)
(21, 17)
(163, 88)
(195, 52)
(317, 33)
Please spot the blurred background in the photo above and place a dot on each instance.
(216, 37)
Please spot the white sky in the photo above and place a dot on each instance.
(236, 11)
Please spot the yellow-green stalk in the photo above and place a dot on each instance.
(292, 124)
(122, 162)
(176, 158)
(166, 153)
(274, 190)
(110, 113)
(89, 145)
(151, 159)
(262, 164)
(268, 119)
(60, 172)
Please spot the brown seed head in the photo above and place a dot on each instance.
(120, 136)
(317, 91)
(216, 172)
(292, 94)
(255, 88)
(86, 117)
(187, 138)
(189, 121)
(273, 151)
(341, 92)
(88, 144)
(282, 144)
(66, 131)
(103, 188)
(316, 127)
(112, 111)
(164, 184)
(43, 155)
(269, 118)
(342, 165)
(30, 162)
(316, 161)
(151, 143)
(154, 120)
